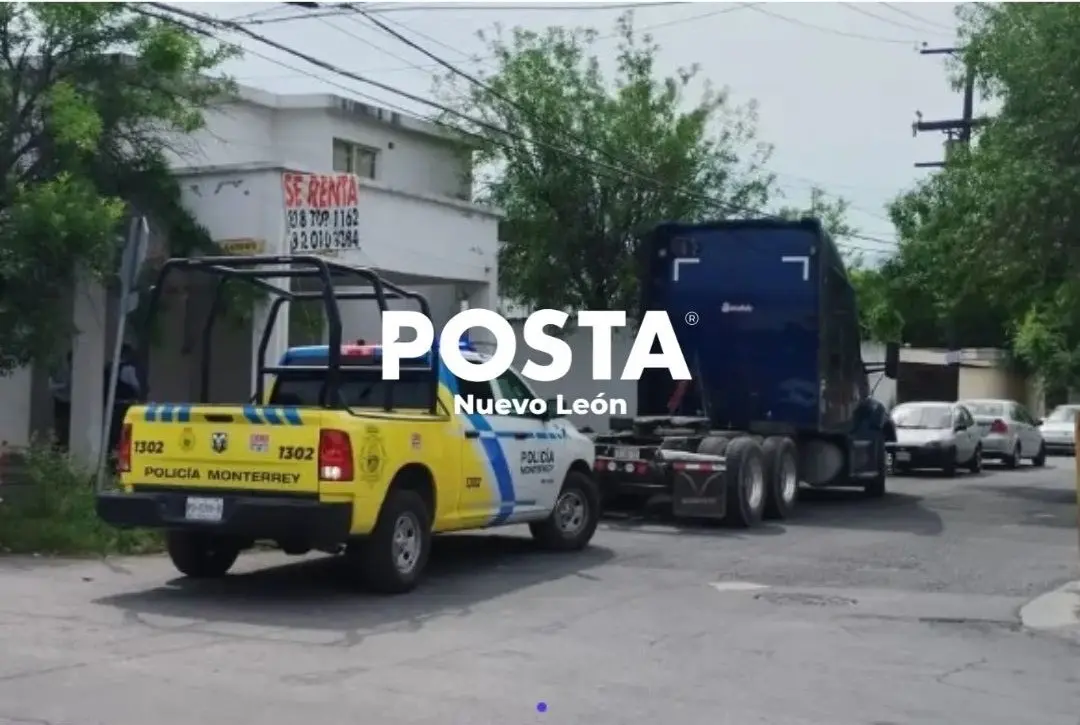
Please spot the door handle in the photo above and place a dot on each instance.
(521, 436)
(472, 434)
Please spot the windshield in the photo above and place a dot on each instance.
(996, 410)
(922, 416)
(1062, 415)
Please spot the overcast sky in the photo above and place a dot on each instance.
(837, 84)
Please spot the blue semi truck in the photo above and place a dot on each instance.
(779, 397)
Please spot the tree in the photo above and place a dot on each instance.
(572, 221)
(989, 246)
(91, 94)
(832, 211)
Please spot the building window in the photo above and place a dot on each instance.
(352, 158)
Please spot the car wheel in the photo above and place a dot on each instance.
(1040, 458)
(875, 487)
(392, 559)
(201, 556)
(744, 483)
(575, 517)
(975, 466)
(950, 466)
(1013, 460)
(781, 476)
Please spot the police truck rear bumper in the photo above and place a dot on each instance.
(275, 517)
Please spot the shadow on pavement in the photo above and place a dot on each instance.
(843, 508)
(314, 593)
(1035, 494)
(839, 508)
(640, 521)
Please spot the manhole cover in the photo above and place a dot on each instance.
(808, 600)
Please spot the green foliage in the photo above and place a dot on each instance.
(832, 211)
(572, 226)
(93, 95)
(989, 250)
(47, 507)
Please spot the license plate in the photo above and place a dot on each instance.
(903, 456)
(204, 509)
(622, 453)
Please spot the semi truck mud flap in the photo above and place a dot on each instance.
(698, 485)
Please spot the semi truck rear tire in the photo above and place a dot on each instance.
(781, 476)
(201, 556)
(744, 482)
(713, 445)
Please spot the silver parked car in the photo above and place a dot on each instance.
(1058, 429)
(1009, 432)
(934, 435)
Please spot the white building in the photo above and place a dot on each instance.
(416, 226)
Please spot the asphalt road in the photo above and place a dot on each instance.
(894, 612)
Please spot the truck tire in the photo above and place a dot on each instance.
(574, 519)
(744, 482)
(392, 559)
(781, 476)
(875, 487)
(201, 556)
(713, 445)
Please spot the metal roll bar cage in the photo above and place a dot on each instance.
(252, 270)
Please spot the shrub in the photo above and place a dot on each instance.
(47, 507)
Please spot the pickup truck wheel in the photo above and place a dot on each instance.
(201, 556)
(392, 559)
(781, 476)
(744, 482)
(575, 517)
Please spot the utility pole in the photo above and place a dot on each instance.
(957, 130)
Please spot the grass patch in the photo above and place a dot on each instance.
(47, 507)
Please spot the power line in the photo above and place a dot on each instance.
(382, 25)
(827, 29)
(918, 18)
(621, 171)
(401, 8)
(484, 59)
(854, 7)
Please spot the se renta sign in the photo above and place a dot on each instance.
(655, 327)
(322, 212)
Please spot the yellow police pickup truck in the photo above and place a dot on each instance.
(334, 458)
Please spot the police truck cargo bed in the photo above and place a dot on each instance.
(273, 448)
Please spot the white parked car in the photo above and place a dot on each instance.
(1058, 429)
(1009, 432)
(934, 435)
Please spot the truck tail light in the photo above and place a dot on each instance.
(335, 456)
(998, 426)
(123, 450)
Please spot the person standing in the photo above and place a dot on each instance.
(129, 390)
(60, 387)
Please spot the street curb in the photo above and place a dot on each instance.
(1054, 610)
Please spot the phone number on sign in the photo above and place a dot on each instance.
(309, 240)
(336, 218)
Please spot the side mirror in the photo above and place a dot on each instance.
(959, 426)
(1040, 421)
(892, 360)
